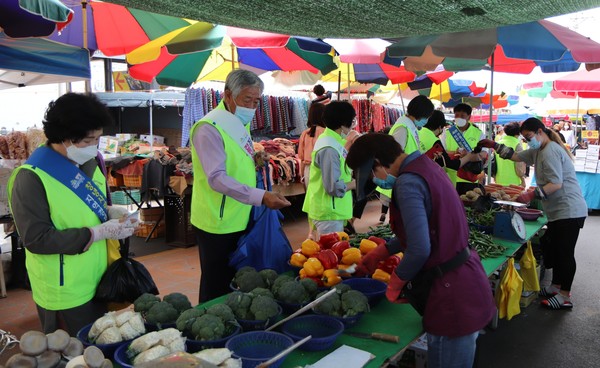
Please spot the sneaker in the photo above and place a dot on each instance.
(557, 302)
(548, 291)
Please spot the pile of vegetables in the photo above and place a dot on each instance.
(381, 231)
(472, 195)
(92, 357)
(248, 278)
(154, 345)
(344, 303)
(484, 245)
(289, 290)
(207, 324)
(159, 312)
(221, 357)
(485, 218)
(112, 328)
(505, 193)
(257, 305)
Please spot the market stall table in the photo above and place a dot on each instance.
(590, 187)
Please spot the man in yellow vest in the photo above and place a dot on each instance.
(58, 202)
(509, 172)
(462, 115)
(224, 189)
(328, 200)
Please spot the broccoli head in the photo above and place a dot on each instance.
(354, 302)
(243, 270)
(187, 318)
(208, 327)
(179, 301)
(269, 276)
(280, 280)
(143, 303)
(249, 281)
(292, 292)
(162, 312)
(239, 303)
(222, 311)
(261, 291)
(331, 306)
(342, 288)
(310, 285)
(264, 307)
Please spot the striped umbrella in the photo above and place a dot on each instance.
(33, 18)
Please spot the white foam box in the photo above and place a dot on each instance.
(108, 144)
(126, 136)
(580, 153)
(157, 138)
(415, 355)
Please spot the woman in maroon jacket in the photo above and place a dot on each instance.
(430, 225)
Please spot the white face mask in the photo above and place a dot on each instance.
(81, 155)
(460, 122)
(245, 114)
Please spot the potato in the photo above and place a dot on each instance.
(93, 356)
(48, 359)
(478, 191)
(58, 340)
(21, 361)
(75, 348)
(33, 343)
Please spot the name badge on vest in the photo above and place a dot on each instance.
(234, 128)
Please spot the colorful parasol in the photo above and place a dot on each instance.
(33, 18)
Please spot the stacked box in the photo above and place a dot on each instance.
(580, 157)
(125, 136)
(591, 159)
(415, 355)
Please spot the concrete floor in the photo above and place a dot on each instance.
(535, 338)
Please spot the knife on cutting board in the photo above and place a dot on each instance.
(374, 336)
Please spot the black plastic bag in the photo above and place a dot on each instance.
(125, 279)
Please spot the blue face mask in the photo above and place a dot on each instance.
(421, 123)
(387, 183)
(534, 143)
(245, 114)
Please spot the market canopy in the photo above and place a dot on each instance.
(362, 19)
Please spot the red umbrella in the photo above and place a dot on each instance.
(583, 83)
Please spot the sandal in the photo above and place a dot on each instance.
(557, 302)
(548, 291)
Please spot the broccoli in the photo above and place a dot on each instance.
(269, 276)
(249, 280)
(243, 270)
(239, 303)
(161, 312)
(330, 306)
(310, 285)
(143, 303)
(187, 318)
(292, 292)
(342, 288)
(280, 280)
(222, 311)
(261, 291)
(179, 301)
(264, 307)
(208, 327)
(354, 302)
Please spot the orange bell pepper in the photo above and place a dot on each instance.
(367, 245)
(302, 273)
(313, 267)
(343, 236)
(310, 247)
(331, 277)
(351, 256)
(381, 275)
(297, 259)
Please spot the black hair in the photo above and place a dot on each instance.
(512, 129)
(420, 107)
(319, 90)
(315, 117)
(338, 114)
(382, 147)
(436, 120)
(73, 115)
(534, 124)
(463, 107)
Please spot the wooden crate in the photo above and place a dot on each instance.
(132, 180)
(145, 227)
(152, 214)
(114, 181)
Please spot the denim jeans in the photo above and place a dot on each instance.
(447, 352)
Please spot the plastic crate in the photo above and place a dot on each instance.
(119, 197)
(152, 214)
(132, 180)
(114, 181)
(179, 230)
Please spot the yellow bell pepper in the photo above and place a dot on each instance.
(297, 259)
(331, 277)
(302, 273)
(367, 245)
(313, 267)
(343, 236)
(381, 275)
(310, 247)
(351, 256)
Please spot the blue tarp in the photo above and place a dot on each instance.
(509, 118)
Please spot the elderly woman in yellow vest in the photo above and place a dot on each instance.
(224, 189)
(58, 202)
(510, 172)
(328, 201)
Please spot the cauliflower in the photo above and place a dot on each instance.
(155, 352)
(222, 311)
(177, 345)
(214, 356)
(179, 301)
(292, 292)
(330, 306)
(143, 303)
(161, 312)
(269, 276)
(208, 327)
(143, 343)
(122, 318)
(249, 280)
(185, 319)
(264, 307)
(239, 303)
(101, 324)
(172, 339)
(137, 323)
(128, 332)
(109, 336)
(354, 302)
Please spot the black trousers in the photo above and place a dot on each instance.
(215, 272)
(558, 249)
(71, 320)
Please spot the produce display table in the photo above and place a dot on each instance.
(590, 187)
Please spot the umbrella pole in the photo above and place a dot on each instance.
(232, 56)
(576, 119)
(491, 123)
(88, 84)
(150, 103)
(348, 67)
(339, 92)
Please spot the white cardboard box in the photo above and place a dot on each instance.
(126, 136)
(108, 144)
(157, 138)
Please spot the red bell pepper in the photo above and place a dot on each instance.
(339, 248)
(377, 240)
(327, 240)
(389, 265)
(328, 258)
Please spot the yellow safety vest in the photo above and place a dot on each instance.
(506, 174)
(472, 135)
(426, 139)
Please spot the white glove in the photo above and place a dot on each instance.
(112, 229)
(115, 212)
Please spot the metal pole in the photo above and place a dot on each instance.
(491, 123)
(88, 84)
(339, 92)
(108, 80)
(150, 103)
(348, 68)
(576, 119)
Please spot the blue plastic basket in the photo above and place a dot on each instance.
(256, 347)
(347, 321)
(121, 357)
(154, 327)
(107, 349)
(119, 197)
(373, 289)
(254, 325)
(289, 308)
(323, 329)
(197, 345)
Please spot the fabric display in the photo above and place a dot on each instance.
(20, 145)
(374, 117)
(284, 164)
(198, 102)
